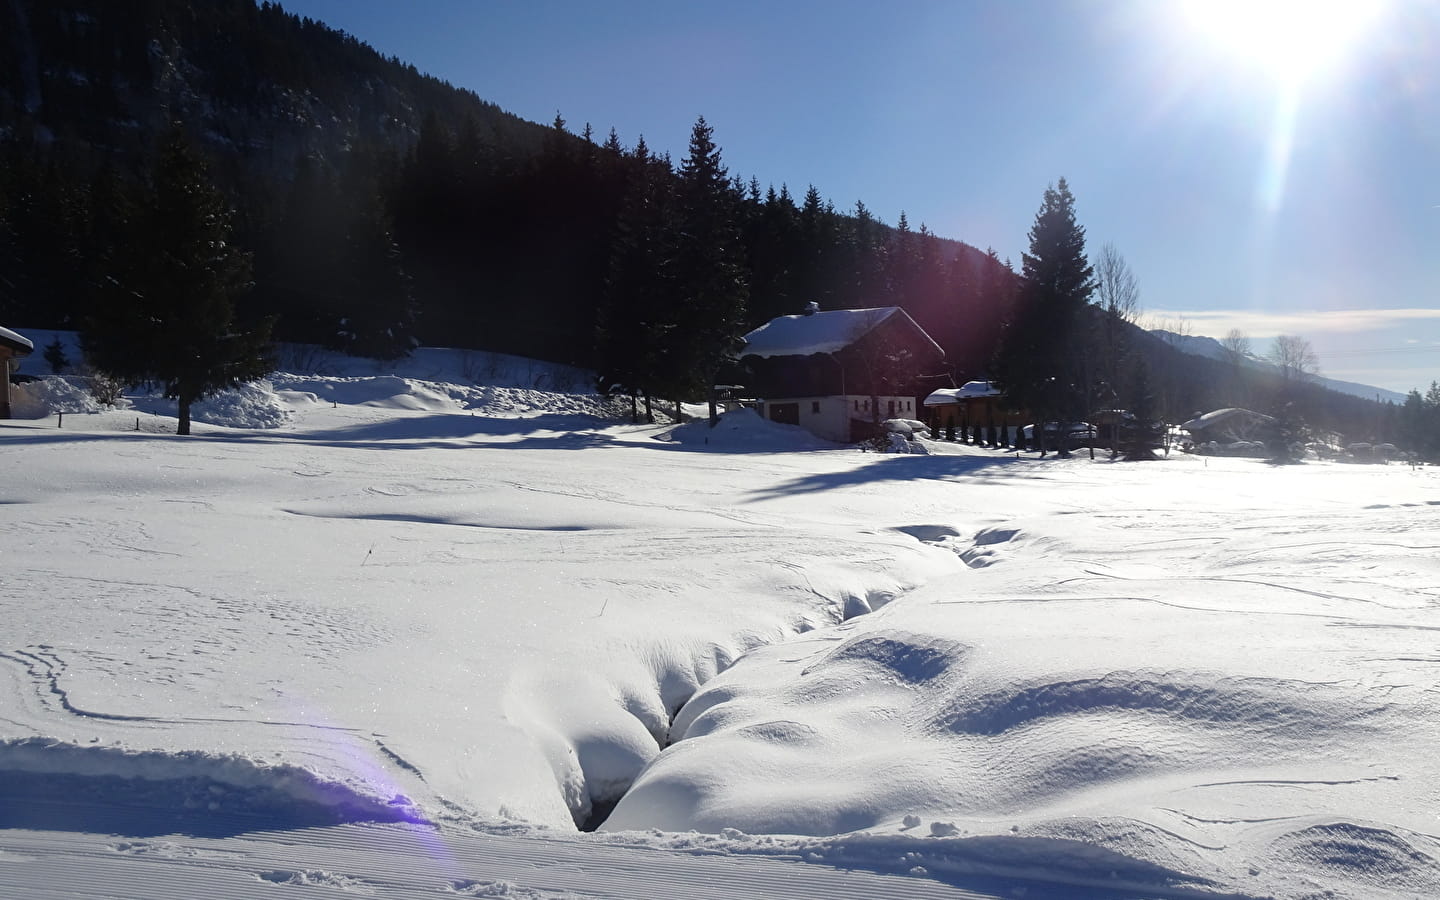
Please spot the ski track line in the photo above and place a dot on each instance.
(354, 861)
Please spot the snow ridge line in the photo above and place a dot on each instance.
(190, 781)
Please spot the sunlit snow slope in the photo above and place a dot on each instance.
(461, 615)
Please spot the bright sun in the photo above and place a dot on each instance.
(1291, 39)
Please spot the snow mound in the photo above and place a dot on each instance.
(252, 405)
(50, 395)
(1253, 703)
(382, 391)
(1361, 860)
(744, 429)
(905, 656)
(442, 365)
(394, 392)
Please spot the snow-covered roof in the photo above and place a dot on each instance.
(18, 344)
(969, 390)
(1218, 416)
(819, 332)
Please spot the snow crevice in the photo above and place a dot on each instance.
(600, 766)
(676, 684)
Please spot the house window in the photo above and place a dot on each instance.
(815, 407)
(907, 405)
(857, 404)
(891, 408)
(785, 413)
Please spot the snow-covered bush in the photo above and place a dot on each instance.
(107, 390)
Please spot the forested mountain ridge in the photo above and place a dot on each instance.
(503, 227)
(259, 88)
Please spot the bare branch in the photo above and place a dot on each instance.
(1294, 357)
(1236, 345)
(1116, 290)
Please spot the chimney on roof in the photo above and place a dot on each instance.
(812, 308)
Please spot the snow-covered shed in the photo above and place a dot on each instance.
(1227, 426)
(974, 405)
(823, 369)
(13, 347)
(971, 402)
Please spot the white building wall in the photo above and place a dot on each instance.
(829, 417)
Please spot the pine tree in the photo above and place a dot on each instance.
(901, 263)
(632, 317)
(815, 252)
(711, 288)
(380, 311)
(167, 303)
(871, 282)
(1038, 366)
(300, 271)
(56, 357)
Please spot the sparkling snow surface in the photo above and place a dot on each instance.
(408, 635)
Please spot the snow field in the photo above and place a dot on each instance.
(1180, 678)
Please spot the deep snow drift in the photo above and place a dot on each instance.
(479, 616)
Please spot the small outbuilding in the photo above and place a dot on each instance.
(976, 407)
(13, 347)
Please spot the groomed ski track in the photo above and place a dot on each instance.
(401, 861)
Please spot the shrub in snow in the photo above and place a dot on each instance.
(900, 443)
(106, 389)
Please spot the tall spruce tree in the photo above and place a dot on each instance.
(380, 313)
(633, 318)
(711, 287)
(1038, 365)
(165, 309)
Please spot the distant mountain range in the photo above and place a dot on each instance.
(1208, 347)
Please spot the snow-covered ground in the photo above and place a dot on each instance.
(389, 632)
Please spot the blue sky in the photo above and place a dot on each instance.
(1244, 188)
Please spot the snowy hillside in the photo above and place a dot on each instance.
(406, 632)
(1200, 345)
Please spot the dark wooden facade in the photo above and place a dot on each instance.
(858, 368)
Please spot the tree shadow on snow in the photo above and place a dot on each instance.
(565, 431)
(897, 469)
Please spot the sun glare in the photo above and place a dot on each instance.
(1291, 39)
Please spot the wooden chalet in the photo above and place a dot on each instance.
(823, 370)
